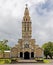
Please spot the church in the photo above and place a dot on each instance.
(26, 48)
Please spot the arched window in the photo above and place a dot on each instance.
(25, 28)
(26, 19)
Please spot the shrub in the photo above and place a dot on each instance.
(5, 61)
(46, 61)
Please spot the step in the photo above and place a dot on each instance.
(29, 61)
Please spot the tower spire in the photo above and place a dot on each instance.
(26, 24)
(26, 11)
(26, 17)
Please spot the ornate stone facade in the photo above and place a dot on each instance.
(26, 47)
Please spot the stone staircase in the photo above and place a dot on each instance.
(27, 61)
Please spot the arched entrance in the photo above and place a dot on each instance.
(21, 55)
(26, 55)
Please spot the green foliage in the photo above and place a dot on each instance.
(48, 49)
(4, 46)
(46, 61)
(5, 61)
(2, 61)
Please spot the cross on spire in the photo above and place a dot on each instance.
(26, 5)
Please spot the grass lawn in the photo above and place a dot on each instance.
(46, 60)
(5, 61)
(42, 60)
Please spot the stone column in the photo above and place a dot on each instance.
(30, 55)
(23, 55)
(34, 54)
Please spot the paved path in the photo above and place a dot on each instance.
(29, 64)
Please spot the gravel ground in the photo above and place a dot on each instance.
(29, 64)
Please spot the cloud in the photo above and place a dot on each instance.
(42, 16)
(45, 8)
(11, 14)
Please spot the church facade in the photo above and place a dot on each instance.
(26, 47)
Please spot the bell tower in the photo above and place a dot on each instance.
(26, 25)
(26, 47)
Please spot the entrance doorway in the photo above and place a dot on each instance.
(21, 55)
(32, 54)
(26, 55)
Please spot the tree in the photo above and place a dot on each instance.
(4, 46)
(48, 49)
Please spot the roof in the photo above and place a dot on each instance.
(7, 51)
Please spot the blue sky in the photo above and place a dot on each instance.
(11, 15)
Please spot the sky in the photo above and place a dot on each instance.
(11, 15)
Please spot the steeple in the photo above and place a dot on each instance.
(26, 24)
(26, 17)
(26, 11)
